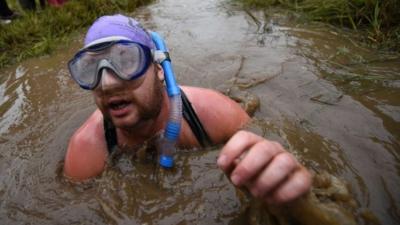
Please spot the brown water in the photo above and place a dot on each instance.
(332, 103)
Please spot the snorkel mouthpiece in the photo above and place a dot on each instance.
(167, 144)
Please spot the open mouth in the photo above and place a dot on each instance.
(120, 104)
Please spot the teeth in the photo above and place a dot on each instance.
(118, 105)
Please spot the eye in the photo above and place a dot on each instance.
(122, 52)
(87, 61)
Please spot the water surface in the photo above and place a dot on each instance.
(331, 102)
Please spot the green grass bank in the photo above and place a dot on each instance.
(39, 32)
(377, 20)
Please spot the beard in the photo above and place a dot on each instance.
(151, 109)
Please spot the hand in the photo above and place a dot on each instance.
(264, 167)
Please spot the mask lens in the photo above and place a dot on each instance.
(129, 59)
(86, 66)
(83, 67)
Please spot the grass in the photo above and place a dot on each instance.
(38, 33)
(378, 20)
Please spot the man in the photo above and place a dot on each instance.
(6, 14)
(31, 4)
(117, 65)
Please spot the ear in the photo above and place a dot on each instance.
(159, 71)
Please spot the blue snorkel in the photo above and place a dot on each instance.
(173, 127)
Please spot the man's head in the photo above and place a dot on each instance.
(117, 43)
(117, 64)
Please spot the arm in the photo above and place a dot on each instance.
(87, 150)
(264, 167)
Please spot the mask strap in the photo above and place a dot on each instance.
(160, 56)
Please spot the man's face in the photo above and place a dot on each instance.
(129, 103)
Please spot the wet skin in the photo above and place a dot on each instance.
(139, 110)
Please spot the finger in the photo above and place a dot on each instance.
(257, 158)
(235, 147)
(296, 185)
(280, 168)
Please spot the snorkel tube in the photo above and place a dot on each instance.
(171, 133)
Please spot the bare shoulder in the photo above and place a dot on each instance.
(220, 115)
(87, 150)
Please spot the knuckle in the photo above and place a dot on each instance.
(243, 133)
(268, 147)
(285, 160)
(247, 135)
(300, 184)
(243, 170)
(273, 146)
(264, 147)
(256, 191)
(303, 182)
(276, 145)
(263, 187)
(283, 196)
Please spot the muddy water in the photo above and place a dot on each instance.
(332, 103)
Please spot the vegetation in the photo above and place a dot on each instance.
(379, 19)
(38, 33)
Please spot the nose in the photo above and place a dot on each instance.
(108, 78)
